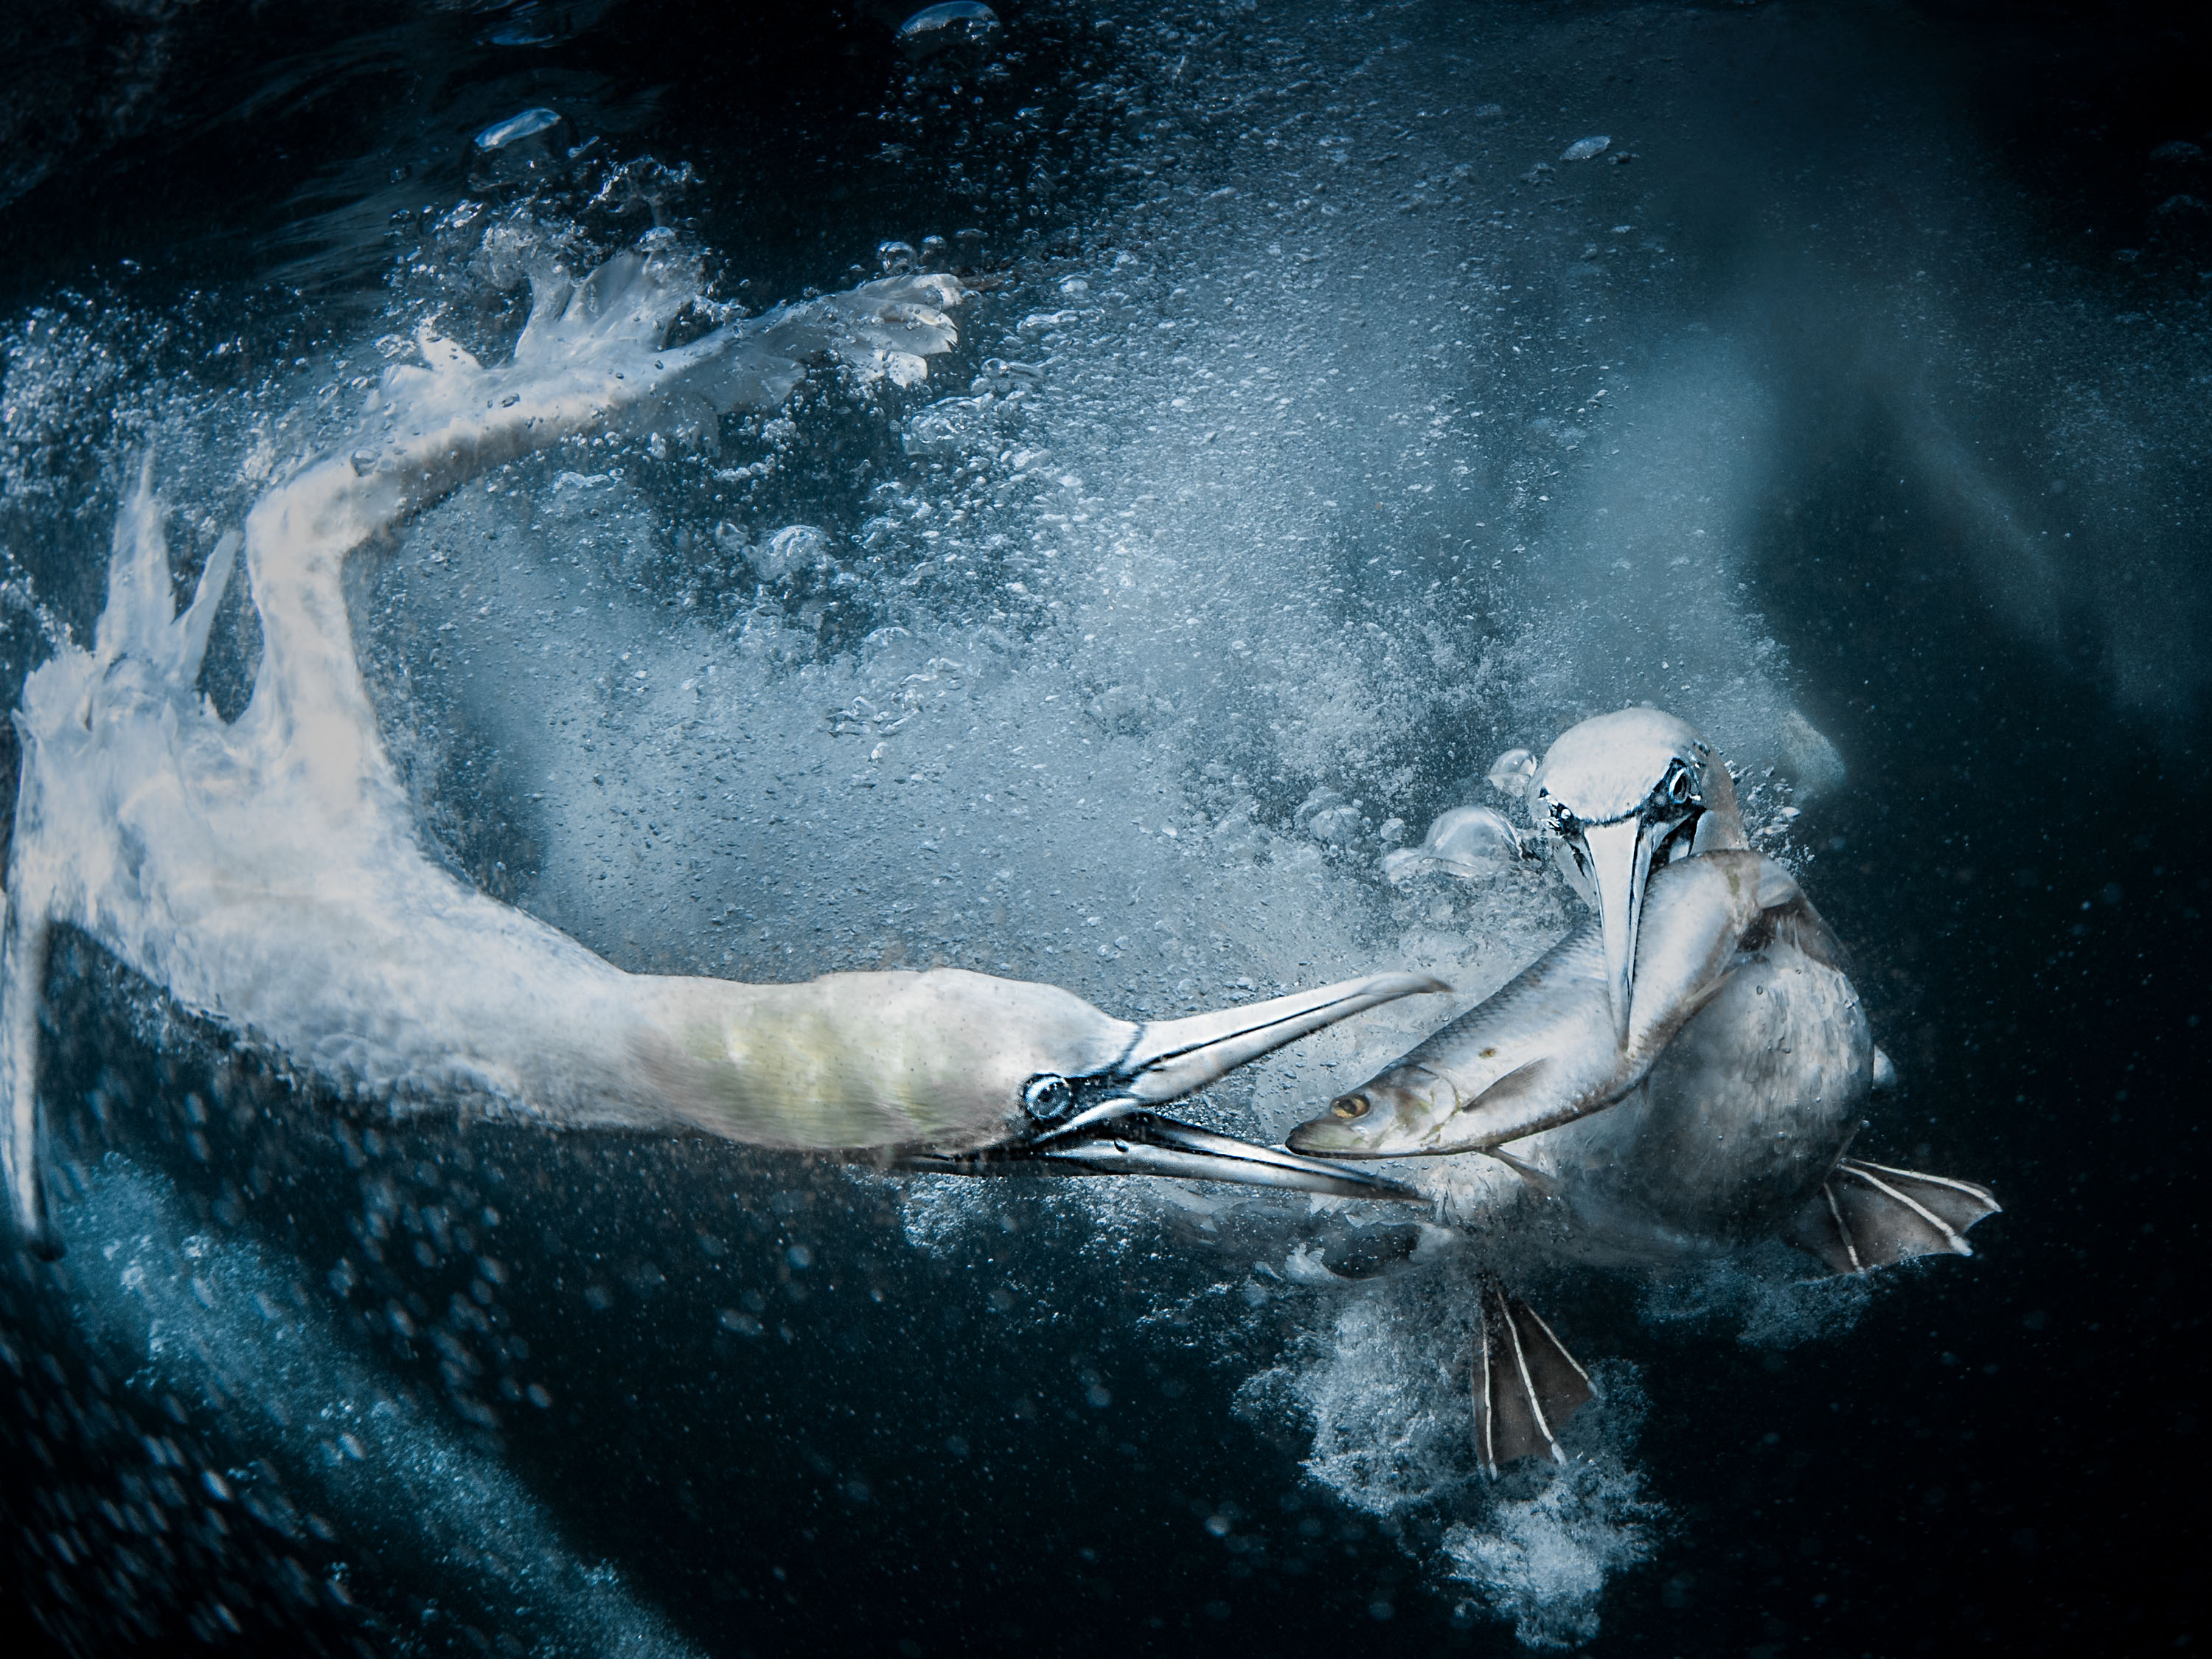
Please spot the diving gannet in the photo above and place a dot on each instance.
(1682, 1074)
(267, 874)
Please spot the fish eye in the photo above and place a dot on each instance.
(1048, 1097)
(1350, 1106)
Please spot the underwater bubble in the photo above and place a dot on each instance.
(1511, 772)
(1543, 1561)
(500, 134)
(1335, 825)
(964, 17)
(1763, 1298)
(1007, 368)
(523, 148)
(795, 548)
(961, 27)
(1812, 761)
(1471, 842)
(946, 427)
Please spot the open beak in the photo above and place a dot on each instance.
(1142, 1143)
(1110, 1132)
(1172, 1058)
(1619, 863)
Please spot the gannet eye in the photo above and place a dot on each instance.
(1350, 1106)
(1048, 1098)
(1680, 788)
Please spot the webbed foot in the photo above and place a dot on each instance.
(1526, 1385)
(1870, 1215)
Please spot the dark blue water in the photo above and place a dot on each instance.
(1976, 535)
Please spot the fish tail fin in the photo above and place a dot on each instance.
(1526, 1385)
(1870, 1215)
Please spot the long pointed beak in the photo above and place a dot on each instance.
(1141, 1143)
(1172, 1058)
(1619, 863)
(1169, 1059)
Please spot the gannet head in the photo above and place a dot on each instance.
(966, 1073)
(1082, 1109)
(1617, 794)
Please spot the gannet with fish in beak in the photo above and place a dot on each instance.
(266, 871)
(1682, 1074)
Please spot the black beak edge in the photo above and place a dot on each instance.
(1141, 1143)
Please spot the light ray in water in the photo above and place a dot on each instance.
(205, 1315)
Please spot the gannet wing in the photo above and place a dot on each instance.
(140, 620)
(884, 330)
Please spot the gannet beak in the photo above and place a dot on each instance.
(1172, 1058)
(1143, 1143)
(1097, 1123)
(1619, 862)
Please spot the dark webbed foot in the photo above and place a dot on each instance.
(1870, 1215)
(1526, 1385)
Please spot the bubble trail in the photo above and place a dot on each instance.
(213, 1319)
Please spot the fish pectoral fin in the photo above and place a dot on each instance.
(1526, 1385)
(1546, 1185)
(1518, 1104)
(1870, 1215)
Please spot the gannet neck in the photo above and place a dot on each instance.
(865, 1060)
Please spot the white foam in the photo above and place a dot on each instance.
(1543, 1560)
(1383, 1376)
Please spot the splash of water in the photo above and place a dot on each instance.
(1542, 1560)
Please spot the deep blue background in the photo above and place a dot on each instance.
(2034, 865)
